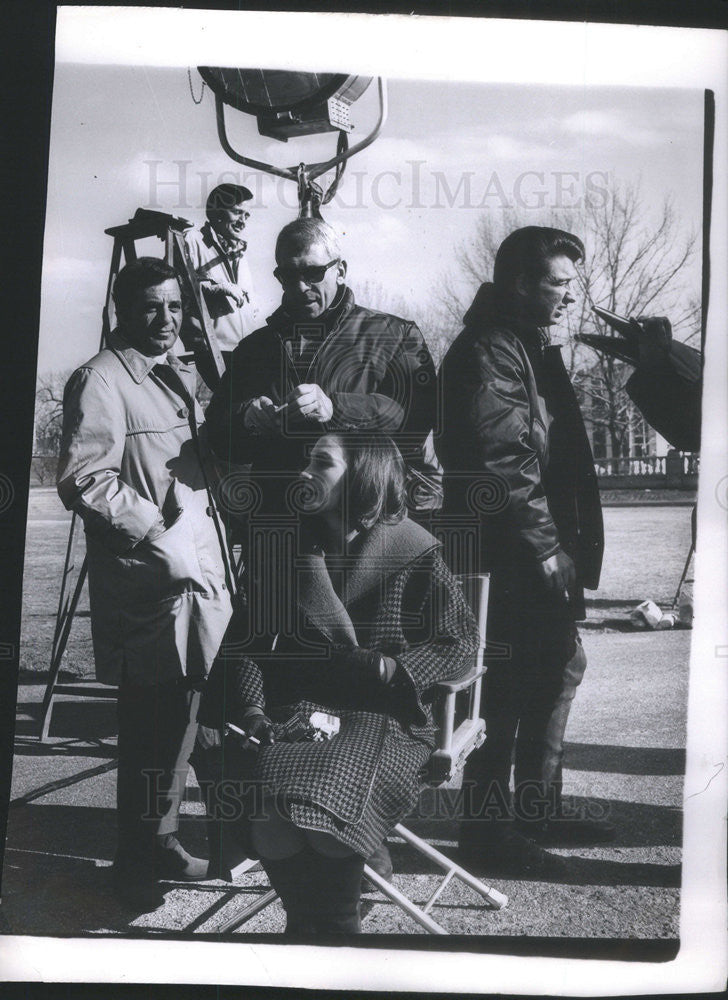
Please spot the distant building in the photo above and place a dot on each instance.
(615, 427)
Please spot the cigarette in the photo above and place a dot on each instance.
(279, 409)
(241, 732)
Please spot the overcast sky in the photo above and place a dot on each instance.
(129, 136)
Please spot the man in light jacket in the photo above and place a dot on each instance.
(134, 465)
(217, 252)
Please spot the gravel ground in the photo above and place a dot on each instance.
(625, 755)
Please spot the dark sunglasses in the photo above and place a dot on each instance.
(310, 275)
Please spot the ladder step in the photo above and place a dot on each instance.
(86, 690)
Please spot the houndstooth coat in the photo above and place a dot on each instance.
(404, 603)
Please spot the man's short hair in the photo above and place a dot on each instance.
(144, 272)
(225, 196)
(302, 234)
(526, 251)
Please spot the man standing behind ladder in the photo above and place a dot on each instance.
(133, 466)
(217, 253)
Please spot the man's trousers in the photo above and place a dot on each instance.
(535, 664)
(157, 730)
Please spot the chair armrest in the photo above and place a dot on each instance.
(465, 682)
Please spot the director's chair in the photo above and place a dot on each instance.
(460, 731)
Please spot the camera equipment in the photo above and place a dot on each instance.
(623, 348)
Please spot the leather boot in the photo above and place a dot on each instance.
(335, 889)
(320, 894)
(289, 877)
(381, 861)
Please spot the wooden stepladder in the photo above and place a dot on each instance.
(170, 230)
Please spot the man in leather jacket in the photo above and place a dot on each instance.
(323, 364)
(518, 465)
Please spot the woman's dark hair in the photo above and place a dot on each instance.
(144, 272)
(526, 251)
(376, 480)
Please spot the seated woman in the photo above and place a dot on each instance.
(380, 619)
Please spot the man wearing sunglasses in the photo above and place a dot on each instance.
(217, 252)
(323, 363)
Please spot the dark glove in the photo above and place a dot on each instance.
(257, 726)
(654, 336)
(368, 665)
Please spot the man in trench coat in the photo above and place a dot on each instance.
(134, 465)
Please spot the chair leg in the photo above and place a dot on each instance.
(403, 902)
(238, 919)
(495, 900)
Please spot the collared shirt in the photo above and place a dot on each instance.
(304, 339)
(233, 250)
(215, 262)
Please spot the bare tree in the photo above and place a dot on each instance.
(49, 412)
(637, 263)
(428, 316)
(634, 266)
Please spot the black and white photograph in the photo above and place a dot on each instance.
(374, 582)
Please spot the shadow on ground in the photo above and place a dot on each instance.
(582, 871)
(80, 720)
(73, 896)
(638, 824)
(625, 760)
(28, 746)
(80, 831)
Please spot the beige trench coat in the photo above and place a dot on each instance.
(158, 607)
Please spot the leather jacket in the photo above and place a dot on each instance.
(514, 448)
(375, 368)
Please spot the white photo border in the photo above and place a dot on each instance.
(483, 50)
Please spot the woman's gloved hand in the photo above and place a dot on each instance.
(367, 664)
(257, 727)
